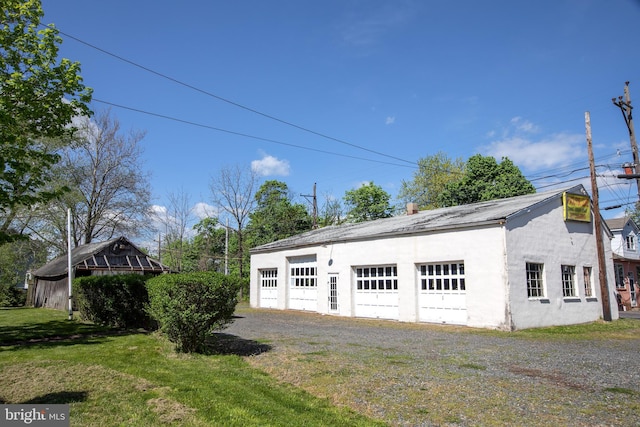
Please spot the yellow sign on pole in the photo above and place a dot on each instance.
(577, 207)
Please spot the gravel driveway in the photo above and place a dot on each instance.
(423, 375)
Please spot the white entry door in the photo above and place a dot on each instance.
(333, 293)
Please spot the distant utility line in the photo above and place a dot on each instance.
(228, 101)
(244, 135)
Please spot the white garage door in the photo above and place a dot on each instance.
(443, 296)
(376, 293)
(303, 280)
(269, 288)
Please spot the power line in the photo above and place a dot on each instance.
(245, 135)
(228, 101)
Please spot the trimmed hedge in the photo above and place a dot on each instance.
(118, 301)
(190, 306)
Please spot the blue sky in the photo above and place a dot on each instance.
(388, 81)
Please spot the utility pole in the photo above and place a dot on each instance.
(625, 107)
(314, 201)
(597, 223)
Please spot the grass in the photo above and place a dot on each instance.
(136, 379)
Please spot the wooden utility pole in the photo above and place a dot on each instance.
(625, 107)
(597, 223)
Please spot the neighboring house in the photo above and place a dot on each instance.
(626, 260)
(505, 264)
(50, 283)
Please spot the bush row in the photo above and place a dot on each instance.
(186, 307)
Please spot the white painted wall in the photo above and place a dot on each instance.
(542, 236)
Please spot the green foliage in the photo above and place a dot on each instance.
(190, 306)
(113, 300)
(429, 181)
(486, 179)
(16, 258)
(276, 216)
(32, 110)
(367, 203)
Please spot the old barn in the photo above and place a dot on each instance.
(49, 284)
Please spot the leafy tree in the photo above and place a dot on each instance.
(39, 96)
(367, 203)
(429, 181)
(206, 251)
(486, 179)
(109, 192)
(16, 258)
(276, 216)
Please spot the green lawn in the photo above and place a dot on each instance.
(136, 379)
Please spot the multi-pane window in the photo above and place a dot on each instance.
(568, 281)
(442, 277)
(619, 276)
(303, 277)
(269, 278)
(588, 282)
(377, 278)
(535, 282)
(631, 242)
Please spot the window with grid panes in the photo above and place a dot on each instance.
(535, 282)
(568, 281)
(442, 277)
(269, 278)
(303, 277)
(378, 278)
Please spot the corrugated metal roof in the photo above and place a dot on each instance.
(475, 214)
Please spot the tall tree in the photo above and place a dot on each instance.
(39, 96)
(368, 202)
(16, 258)
(109, 191)
(486, 179)
(429, 181)
(207, 249)
(276, 215)
(175, 221)
(331, 212)
(233, 191)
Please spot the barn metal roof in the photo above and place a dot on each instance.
(464, 216)
(83, 257)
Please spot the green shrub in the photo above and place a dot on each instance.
(11, 296)
(190, 306)
(117, 300)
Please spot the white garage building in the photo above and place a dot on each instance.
(507, 264)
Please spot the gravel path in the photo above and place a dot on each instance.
(417, 374)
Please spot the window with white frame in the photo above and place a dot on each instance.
(568, 280)
(303, 277)
(631, 242)
(588, 281)
(269, 278)
(378, 278)
(535, 280)
(442, 277)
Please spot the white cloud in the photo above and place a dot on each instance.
(203, 210)
(523, 125)
(269, 165)
(390, 120)
(548, 152)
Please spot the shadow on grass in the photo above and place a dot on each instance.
(57, 332)
(60, 397)
(227, 344)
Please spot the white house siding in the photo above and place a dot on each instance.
(542, 236)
